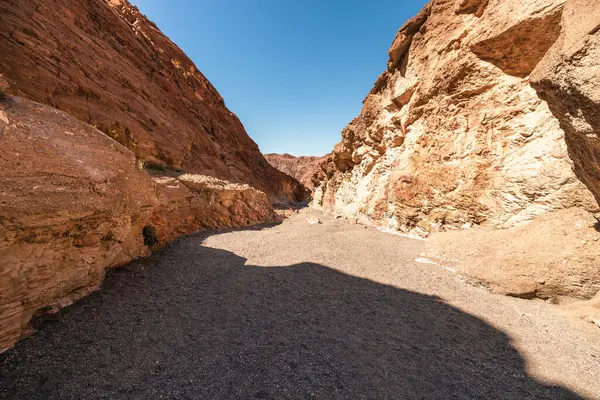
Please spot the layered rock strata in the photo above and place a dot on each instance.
(74, 202)
(105, 63)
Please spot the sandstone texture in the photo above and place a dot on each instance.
(191, 203)
(105, 63)
(302, 168)
(74, 202)
(568, 78)
(486, 115)
(554, 258)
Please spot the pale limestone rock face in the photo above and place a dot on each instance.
(453, 133)
(569, 79)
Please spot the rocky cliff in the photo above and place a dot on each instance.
(486, 115)
(568, 78)
(302, 168)
(105, 63)
(73, 202)
(132, 148)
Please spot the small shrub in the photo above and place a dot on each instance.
(150, 238)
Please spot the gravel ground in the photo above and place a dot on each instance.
(299, 311)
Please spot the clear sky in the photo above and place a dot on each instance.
(294, 71)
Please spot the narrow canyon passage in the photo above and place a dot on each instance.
(301, 311)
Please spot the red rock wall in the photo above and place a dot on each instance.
(106, 64)
(302, 168)
(73, 203)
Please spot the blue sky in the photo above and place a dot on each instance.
(294, 71)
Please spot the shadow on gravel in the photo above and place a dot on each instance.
(194, 322)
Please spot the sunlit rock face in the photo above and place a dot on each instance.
(453, 133)
(105, 63)
(73, 203)
(568, 78)
(302, 168)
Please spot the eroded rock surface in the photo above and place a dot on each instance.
(568, 78)
(108, 65)
(191, 203)
(302, 168)
(553, 258)
(453, 134)
(73, 202)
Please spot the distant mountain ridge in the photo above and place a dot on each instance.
(302, 168)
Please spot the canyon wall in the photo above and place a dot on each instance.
(73, 202)
(568, 78)
(486, 115)
(131, 149)
(105, 63)
(302, 168)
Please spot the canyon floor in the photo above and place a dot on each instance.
(299, 311)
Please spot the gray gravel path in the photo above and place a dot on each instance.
(299, 311)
